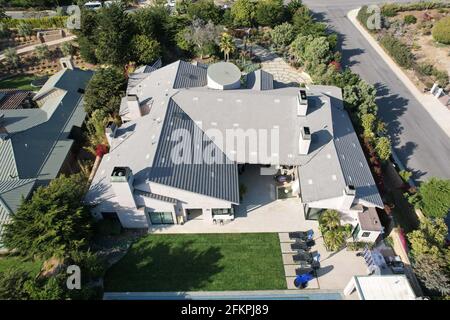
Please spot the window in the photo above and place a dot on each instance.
(365, 234)
(161, 217)
(312, 213)
(110, 216)
(228, 211)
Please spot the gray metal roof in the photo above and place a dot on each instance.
(260, 80)
(189, 75)
(181, 100)
(155, 196)
(39, 140)
(353, 162)
(218, 180)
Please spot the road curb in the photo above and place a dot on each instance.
(435, 109)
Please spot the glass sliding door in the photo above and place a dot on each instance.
(161, 217)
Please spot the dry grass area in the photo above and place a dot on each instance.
(418, 37)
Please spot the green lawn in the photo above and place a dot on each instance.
(19, 263)
(18, 82)
(200, 262)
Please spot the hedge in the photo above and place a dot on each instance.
(39, 23)
(441, 31)
(391, 9)
(399, 51)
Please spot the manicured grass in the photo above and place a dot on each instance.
(18, 82)
(20, 263)
(200, 262)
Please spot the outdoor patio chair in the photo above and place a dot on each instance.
(300, 271)
(309, 243)
(306, 257)
(300, 246)
(303, 235)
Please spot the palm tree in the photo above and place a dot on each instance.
(227, 45)
(334, 239)
(330, 219)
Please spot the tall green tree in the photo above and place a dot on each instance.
(54, 222)
(383, 148)
(105, 90)
(87, 35)
(269, 12)
(205, 10)
(242, 13)
(114, 29)
(433, 197)
(282, 35)
(430, 255)
(202, 36)
(145, 49)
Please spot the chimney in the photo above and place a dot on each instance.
(304, 140)
(3, 131)
(348, 197)
(122, 184)
(302, 103)
(110, 131)
(134, 109)
(66, 63)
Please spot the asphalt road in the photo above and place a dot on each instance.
(422, 146)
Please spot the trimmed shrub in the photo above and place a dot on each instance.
(399, 51)
(39, 23)
(441, 31)
(410, 19)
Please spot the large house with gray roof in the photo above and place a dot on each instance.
(35, 142)
(169, 161)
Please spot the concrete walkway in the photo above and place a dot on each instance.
(33, 47)
(437, 110)
(272, 63)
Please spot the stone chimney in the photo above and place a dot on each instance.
(304, 141)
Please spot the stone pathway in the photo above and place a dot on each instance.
(282, 72)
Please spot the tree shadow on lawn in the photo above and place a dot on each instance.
(156, 266)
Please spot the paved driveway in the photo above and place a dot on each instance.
(417, 139)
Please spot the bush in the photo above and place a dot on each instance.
(405, 175)
(410, 19)
(441, 31)
(39, 23)
(399, 51)
(357, 245)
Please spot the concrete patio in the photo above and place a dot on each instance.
(336, 268)
(259, 211)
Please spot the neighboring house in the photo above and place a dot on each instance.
(140, 183)
(35, 143)
(16, 99)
